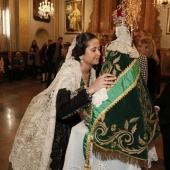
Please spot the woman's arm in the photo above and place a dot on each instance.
(66, 106)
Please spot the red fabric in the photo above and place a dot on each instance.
(119, 12)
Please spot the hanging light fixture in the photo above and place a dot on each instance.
(45, 9)
(162, 5)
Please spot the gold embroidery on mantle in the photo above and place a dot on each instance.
(121, 96)
(101, 130)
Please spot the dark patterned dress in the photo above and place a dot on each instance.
(67, 116)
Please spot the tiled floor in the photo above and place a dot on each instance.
(14, 99)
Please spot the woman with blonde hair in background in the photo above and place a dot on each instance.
(147, 47)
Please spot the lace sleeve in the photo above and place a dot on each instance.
(66, 107)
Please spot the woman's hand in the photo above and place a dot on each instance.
(157, 109)
(105, 81)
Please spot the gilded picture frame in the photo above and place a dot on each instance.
(168, 23)
(74, 16)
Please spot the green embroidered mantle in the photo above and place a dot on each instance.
(124, 126)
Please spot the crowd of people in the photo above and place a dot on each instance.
(98, 108)
(12, 67)
(39, 61)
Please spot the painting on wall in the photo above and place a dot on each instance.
(74, 13)
(168, 23)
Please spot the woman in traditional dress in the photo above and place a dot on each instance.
(45, 128)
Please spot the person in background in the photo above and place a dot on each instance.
(143, 66)
(53, 53)
(45, 128)
(2, 71)
(62, 58)
(164, 121)
(103, 47)
(18, 66)
(140, 34)
(147, 48)
(59, 42)
(44, 61)
(8, 65)
(33, 58)
(143, 62)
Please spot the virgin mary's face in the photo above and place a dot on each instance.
(92, 53)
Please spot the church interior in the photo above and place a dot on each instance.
(21, 23)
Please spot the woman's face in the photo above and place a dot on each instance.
(92, 52)
(34, 43)
(142, 49)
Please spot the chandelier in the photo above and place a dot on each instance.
(45, 9)
(162, 5)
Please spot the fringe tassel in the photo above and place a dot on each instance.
(87, 167)
(87, 161)
(107, 154)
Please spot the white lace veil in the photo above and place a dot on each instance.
(123, 42)
(38, 122)
(69, 53)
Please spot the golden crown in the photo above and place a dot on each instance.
(127, 13)
(119, 15)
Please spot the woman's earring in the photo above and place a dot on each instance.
(81, 59)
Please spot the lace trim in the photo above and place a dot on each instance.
(152, 156)
(99, 97)
(123, 43)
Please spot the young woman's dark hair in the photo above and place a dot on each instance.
(34, 46)
(81, 44)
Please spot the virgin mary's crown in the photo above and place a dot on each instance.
(127, 13)
(119, 16)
